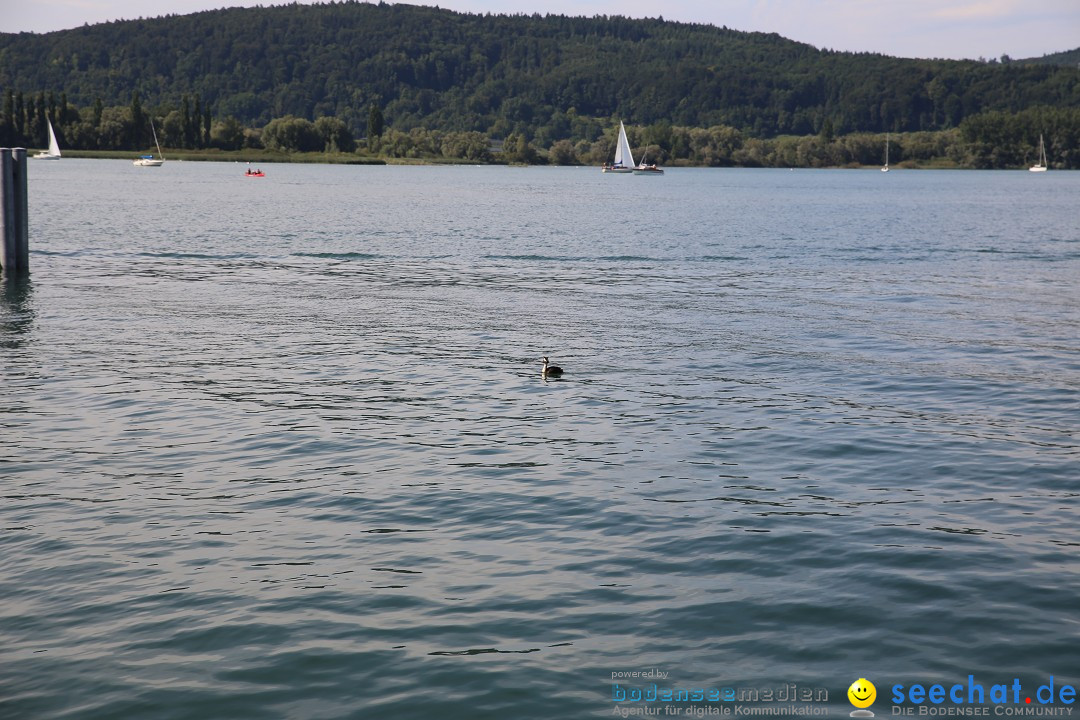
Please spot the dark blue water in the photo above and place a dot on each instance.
(281, 448)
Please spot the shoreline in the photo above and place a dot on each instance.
(270, 157)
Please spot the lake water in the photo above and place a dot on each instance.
(280, 448)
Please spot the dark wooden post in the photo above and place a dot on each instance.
(14, 215)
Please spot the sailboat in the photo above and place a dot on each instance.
(1041, 165)
(886, 168)
(644, 169)
(624, 160)
(53, 153)
(150, 160)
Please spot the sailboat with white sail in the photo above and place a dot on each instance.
(150, 160)
(53, 153)
(1041, 165)
(886, 168)
(624, 159)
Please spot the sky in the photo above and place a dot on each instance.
(904, 28)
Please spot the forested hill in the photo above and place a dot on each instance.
(540, 75)
(1069, 58)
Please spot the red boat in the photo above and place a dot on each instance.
(257, 173)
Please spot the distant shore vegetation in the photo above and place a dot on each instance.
(361, 81)
(982, 141)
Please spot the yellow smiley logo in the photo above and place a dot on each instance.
(862, 693)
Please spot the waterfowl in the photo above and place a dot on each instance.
(550, 370)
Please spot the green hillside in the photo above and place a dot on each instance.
(1069, 59)
(544, 77)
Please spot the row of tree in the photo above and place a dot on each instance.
(326, 134)
(23, 123)
(545, 77)
(190, 125)
(987, 140)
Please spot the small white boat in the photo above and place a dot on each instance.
(150, 160)
(624, 159)
(53, 153)
(644, 168)
(886, 168)
(1041, 165)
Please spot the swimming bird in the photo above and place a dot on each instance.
(550, 370)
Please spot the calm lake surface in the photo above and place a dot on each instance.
(280, 448)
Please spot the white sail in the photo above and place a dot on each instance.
(623, 156)
(53, 153)
(54, 147)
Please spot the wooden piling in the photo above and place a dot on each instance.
(14, 214)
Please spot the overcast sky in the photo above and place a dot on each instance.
(906, 28)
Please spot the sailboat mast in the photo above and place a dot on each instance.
(160, 154)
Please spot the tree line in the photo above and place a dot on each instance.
(97, 127)
(547, 78)
(986, 140)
